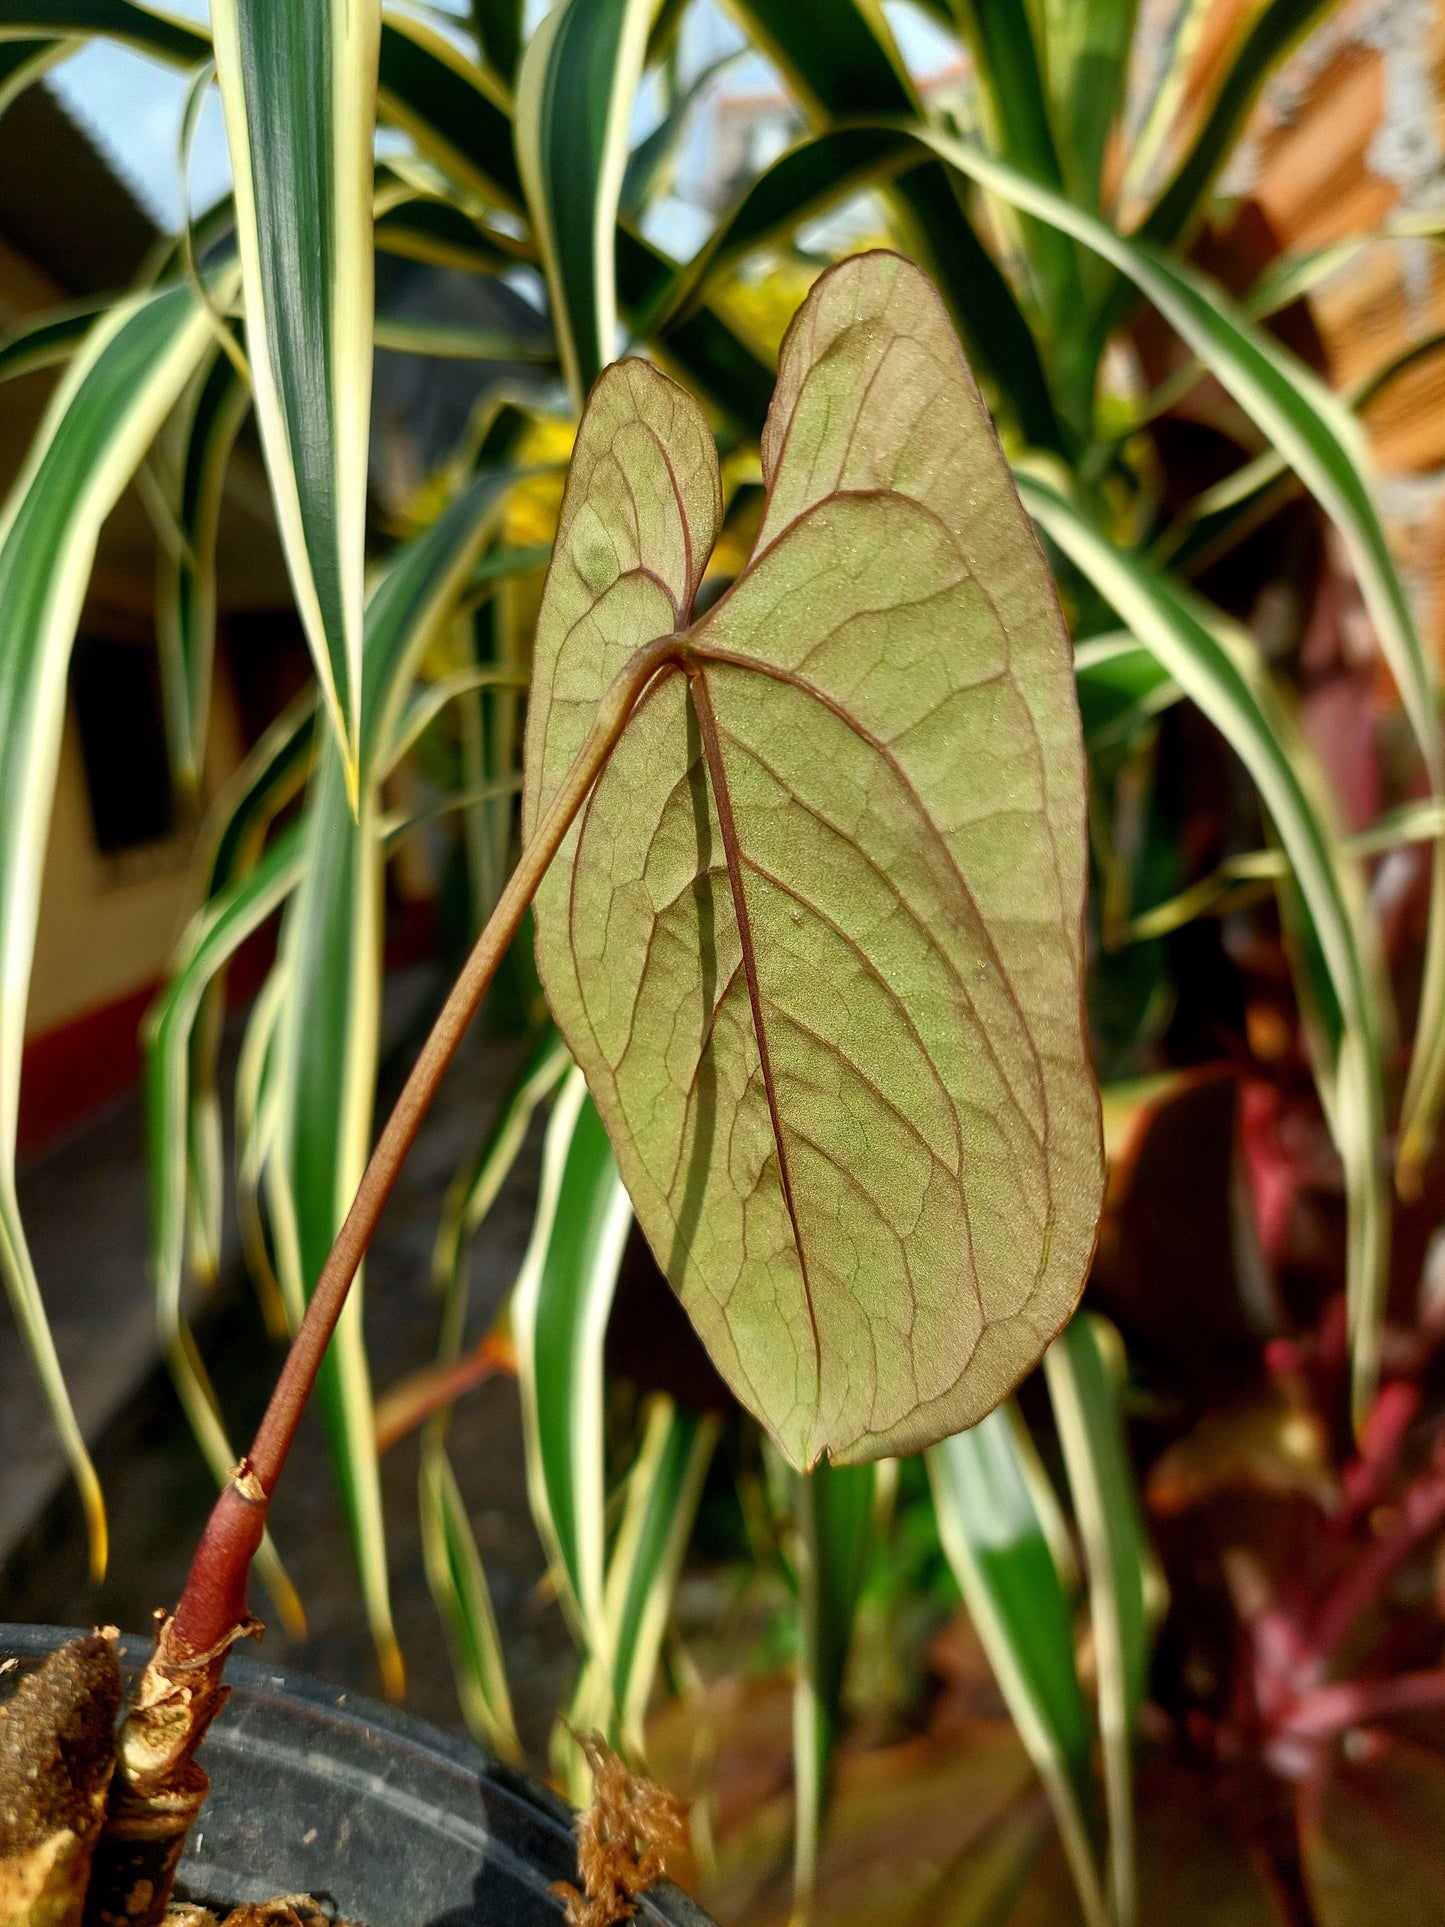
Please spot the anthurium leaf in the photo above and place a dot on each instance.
(815, 939)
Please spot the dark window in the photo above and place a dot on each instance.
(115, 687)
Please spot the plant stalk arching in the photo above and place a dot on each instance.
(158, 1787)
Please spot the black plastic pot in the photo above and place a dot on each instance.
(394, 1823)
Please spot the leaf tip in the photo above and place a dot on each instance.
(1410, 1160)
(391, 1664)
(97, 1526)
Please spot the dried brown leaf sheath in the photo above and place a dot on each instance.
(57, 1751)
(158, 1788)
(623, 1840)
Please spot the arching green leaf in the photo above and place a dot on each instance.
(816, 938)
(117, 392)
(998, 1546)
(574, 102)
(186, 584)
(298, 82)
(559, 1321)
(834, 1509)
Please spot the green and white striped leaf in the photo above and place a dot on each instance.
(1275, 30)
(1000, 1552)
(458, 1584)
(1090, 42)
(459, 118)
(148, 31)
(1006, 57)
(650, 164)
(1085, 1370)
(473, 1191)
(834, 1534)
(1121, 686)
(186, 582)
(840, 58)
(325, 1062)
(324, 1073)
(1219, 670)
(575, 92)
(559, 1322)
(215, 934)
(108, 409)
(43, 340)
(298, 83)
(23, 62)
(455, 1573)
(659, 1505)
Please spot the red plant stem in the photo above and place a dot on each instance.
(1421, 1512)
(214, 1601)
(1382, 1440)
(1331, 1709)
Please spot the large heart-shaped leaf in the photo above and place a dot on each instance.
(815, 938)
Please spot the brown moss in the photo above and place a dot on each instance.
(623, 1840)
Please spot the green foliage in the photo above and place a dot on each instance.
(780, 866)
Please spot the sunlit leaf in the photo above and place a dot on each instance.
(816, 940)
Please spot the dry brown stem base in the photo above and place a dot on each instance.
(287, 1910)
(623, 1840)
(57, 1751)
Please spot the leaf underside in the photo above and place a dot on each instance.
(816, 937)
